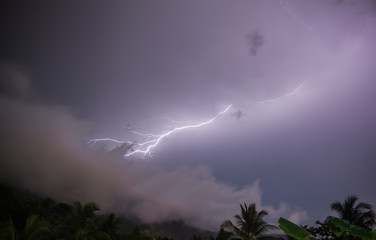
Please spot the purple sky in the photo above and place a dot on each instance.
(72, 71)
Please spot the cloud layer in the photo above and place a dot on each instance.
(43, 150)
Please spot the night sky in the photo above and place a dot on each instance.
(300, 77)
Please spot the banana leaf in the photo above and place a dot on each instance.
(342, 225)
(294, 230)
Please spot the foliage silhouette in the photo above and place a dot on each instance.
(82, 224)
(342, 226)
(34, 229)
(322, 231)
(111, 225)
(25, 216)
(249, 224)
(360, 214)
(223, 235)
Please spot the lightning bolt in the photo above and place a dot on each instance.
(146, 147)
(295, 91)
(153, 140)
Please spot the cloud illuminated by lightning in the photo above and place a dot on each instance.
(153, 140)
(170, 120)
(146, 147)
(92, 142)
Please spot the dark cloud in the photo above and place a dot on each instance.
(14, 83)
(238, 114)
(255, 40)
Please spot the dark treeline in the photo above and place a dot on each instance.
(24, 216)
(30, 217)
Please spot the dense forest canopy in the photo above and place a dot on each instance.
(27, 216)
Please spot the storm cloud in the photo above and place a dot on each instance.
(98, 68)
(43, 150)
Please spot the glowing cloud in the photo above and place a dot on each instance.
(145, 147)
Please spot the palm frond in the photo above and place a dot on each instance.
(249, 223)
(363, 206)
(360, 214)
(265, 228)
(231, 227)
(337, 206)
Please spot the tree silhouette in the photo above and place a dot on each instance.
(82, 224)
(197, 237)
(8, 230)
(223, 235)
(35, 228)
(111, 225)
(322, 230)
(360, 214)
(249, 224)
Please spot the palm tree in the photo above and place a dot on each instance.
(111, 225)
(82, 224)
(35, 228)
(249, 225)
(360, 214)
(8, 230)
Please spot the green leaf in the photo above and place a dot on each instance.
(294, 230)
(342, 225)
(373, 233)
(338, 226)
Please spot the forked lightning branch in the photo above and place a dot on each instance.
(147, 147)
